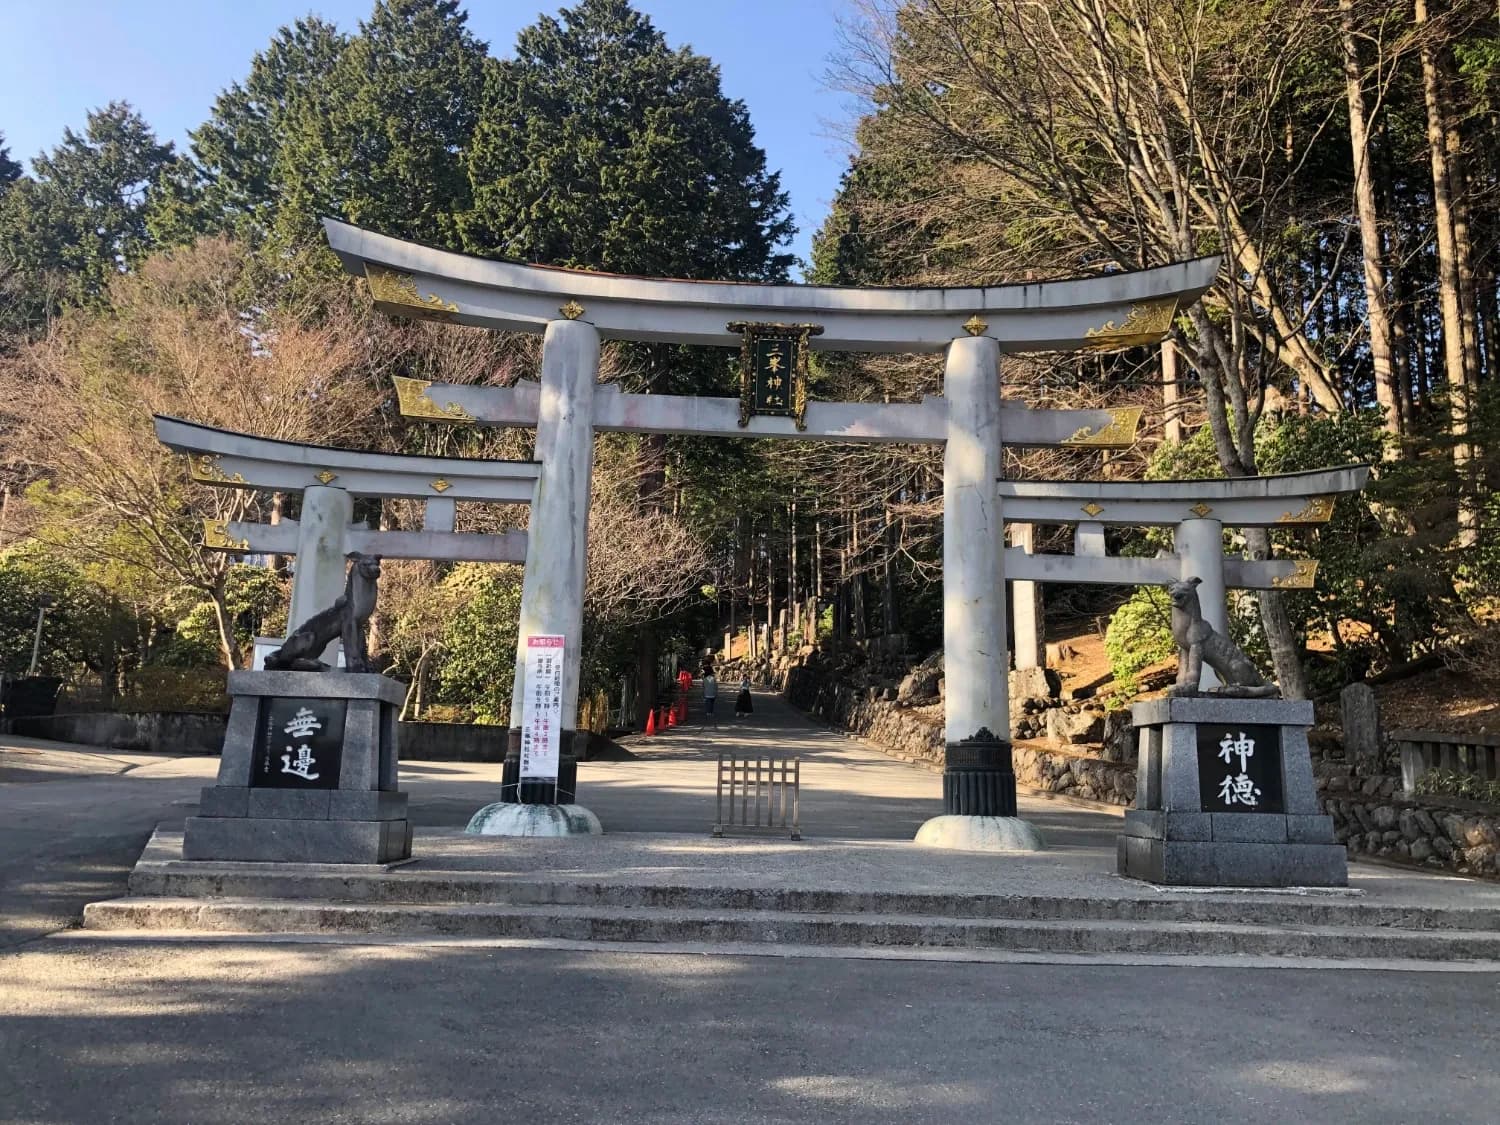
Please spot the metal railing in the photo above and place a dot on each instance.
(764, 793)
(1475, 755)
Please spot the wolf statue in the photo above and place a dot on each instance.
(1199, 644)
(344, 621)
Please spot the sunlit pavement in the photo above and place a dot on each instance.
(96, 1029)
(432, 1033)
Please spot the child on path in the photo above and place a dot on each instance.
(742, 704)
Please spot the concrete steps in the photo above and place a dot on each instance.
(177, 897)
(459, 888)
(656, 924)
(829, 897)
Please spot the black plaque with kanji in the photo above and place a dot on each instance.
(774, 366)
(299, 744)
(1239, 768)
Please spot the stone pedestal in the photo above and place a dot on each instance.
(1225, 797)
(979, 801)
(307, 775)
(535, 806)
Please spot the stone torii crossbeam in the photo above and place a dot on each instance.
(329, 480)
(575, 309)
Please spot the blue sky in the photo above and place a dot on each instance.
(170, 58)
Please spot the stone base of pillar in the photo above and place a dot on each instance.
(980, 834)
(506, 818)
(978, 779)
(979, 801)
(532, 791)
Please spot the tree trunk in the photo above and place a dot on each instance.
(1171, 393)
(645, 675)
(227, 644)
(770, 586)
(792, 589)
(1489, 319)
(1281, 637)
(652, 479)
(1454, 365)
(1376, 301)
(818, 557)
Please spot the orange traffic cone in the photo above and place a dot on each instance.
(650, 722)
(671, 716)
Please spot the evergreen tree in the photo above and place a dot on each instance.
(600, 146)
(83, 214)
(380, 140)
(10, 171)
(231, 183)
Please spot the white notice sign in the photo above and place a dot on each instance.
(541, 710)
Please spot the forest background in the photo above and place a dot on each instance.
(1340, 154)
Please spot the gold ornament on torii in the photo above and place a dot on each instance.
(392, 287)
(1148, 323)
(216, 537)
(415, 402)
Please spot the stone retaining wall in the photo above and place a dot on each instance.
(917, 732)
(1371, 817)
(183, 732)
(145, 732)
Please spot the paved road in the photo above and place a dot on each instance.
(73, 821)
(224, 1034)
(104, 1029)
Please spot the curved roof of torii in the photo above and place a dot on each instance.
(1102, 313)
(236, 460)
(1264, 501)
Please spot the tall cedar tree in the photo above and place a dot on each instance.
(10, 171)
(232, 182)
(599, 146)
(380, 141)
(82, 217)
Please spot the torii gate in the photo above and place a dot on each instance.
(329, 479)
(575, 309)
(1196, 510)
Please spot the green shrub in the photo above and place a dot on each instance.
(1139, 635)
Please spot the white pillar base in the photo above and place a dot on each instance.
(507, 819)
(980, 834)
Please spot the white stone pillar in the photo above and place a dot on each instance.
(1199, 545)
(1026, 607)
(552, 591)
(979, 784)
(976, 662)
(318, 576)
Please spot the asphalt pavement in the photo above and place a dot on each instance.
(241, 1033)
(95, 1028)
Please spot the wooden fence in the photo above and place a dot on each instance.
(1473, 755)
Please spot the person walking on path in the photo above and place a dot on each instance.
(742, 705)
(710, 696)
